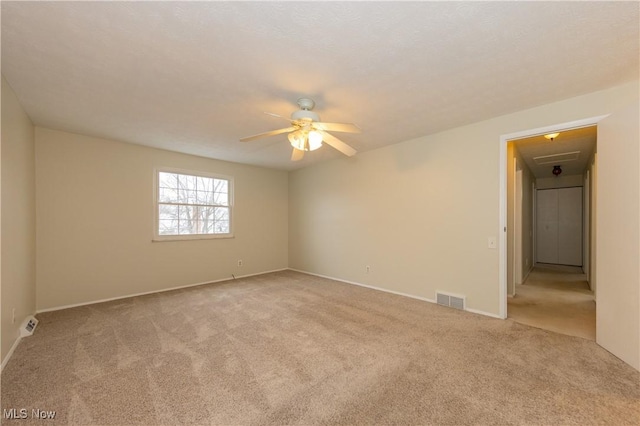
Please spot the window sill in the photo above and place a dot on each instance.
(166, 238)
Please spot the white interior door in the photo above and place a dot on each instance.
(570, 226)
(547, 226)
(559, 226)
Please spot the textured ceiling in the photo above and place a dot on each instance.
(195, 77)
(581, 140)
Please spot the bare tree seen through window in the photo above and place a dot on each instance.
(191, 205)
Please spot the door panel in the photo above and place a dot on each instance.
(570, 226)
(547, 226)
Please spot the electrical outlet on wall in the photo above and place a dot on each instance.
(239, 263)
(368, 269)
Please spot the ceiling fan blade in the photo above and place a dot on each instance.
(338, 127)
(329, 139)
(266, 134)
(279, 116)
(297, 155)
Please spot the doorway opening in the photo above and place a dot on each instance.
(556, 298)
(548, 256)
(547, 283)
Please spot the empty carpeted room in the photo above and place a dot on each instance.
(235, 213)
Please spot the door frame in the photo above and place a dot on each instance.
(517, 231)
(504, 140)
(586, 227)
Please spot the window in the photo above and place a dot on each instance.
(192, 206)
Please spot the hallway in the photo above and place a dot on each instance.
(555, 298)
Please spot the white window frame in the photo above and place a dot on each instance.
(183, 237)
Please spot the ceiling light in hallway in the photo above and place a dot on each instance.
(551, 136)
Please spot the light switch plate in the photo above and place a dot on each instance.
(493, 243)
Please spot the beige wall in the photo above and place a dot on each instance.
(18, 218)
(618, 233)
(420, 212)
(95, 222)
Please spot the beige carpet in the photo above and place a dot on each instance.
(288, 348)
(555, 298)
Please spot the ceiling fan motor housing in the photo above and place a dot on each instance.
(305, 113)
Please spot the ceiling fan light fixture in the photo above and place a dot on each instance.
(305, 141)
(297, 140)
(551, 136)
(315, 140)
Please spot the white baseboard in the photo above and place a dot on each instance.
(13, 348)
(486, 314)
(424, 299)
(93, 302)
(58, 308)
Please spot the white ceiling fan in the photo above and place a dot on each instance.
(307, 132)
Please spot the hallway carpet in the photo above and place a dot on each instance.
(555, 298)
(289, 348)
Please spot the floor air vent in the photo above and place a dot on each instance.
(28, 326)
(450, 300)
